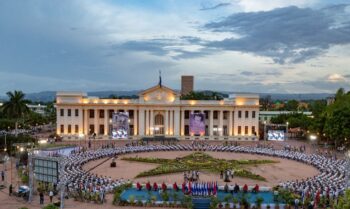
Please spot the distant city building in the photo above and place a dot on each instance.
(330, 100)
(37, 108)
(158, 111)
(267, 115)
(186, 84)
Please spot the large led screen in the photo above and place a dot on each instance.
(197, 124)
(275, 135)
(120, 125)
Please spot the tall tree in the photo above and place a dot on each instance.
(16, 106)
(292, 105)
(337, 122)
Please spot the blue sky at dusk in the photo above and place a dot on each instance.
(272, 46)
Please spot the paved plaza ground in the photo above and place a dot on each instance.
(274, 173)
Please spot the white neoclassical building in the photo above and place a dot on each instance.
(158, 111)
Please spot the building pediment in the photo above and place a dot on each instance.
(159, 93)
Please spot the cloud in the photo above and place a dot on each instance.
(264, 73)
(183, 47)
(335, 77)
(286, 35)
(204, 8)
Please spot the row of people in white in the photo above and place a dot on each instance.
(331, 179)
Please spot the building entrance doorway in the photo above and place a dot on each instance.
(158, 124)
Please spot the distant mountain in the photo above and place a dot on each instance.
(298, 97)
(48, 96)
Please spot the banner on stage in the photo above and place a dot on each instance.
(197, 124)
(276, 135)
(120, 125)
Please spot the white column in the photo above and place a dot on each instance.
(177, 122)
(142, 122)
(147, 122)
(221, 118)
(166, 124)
(182, 122)
(211, 122)
(86, 123)
(171, 129)
(135, 120)
(96, 118)
(230, 123)
(151, 122)
(81, 121)
(105, 122)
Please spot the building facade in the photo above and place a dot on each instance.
(158, 111)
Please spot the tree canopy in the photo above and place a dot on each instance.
(203, 95)
(16, 106)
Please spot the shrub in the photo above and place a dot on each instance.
(50, 206)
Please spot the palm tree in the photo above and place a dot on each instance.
(16, 106)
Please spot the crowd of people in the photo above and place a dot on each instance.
(329, 182)
(191, 176)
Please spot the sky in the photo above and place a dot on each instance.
(270, 46)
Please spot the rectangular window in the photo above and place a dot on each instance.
(110, 113)
(92, 113)
(131, 114)
(206, 131)
(62, 112)
(225, 115)
(62, 129)
(76, 112)
(131, 129)
(69, 129)
(239, 114)
(239, 130)
(206, 112)
(102, 113)
(76, 129)
(187, 114)
(91, 129)
(225, 132)
(187, 130)
(253, 114)
(253, 130)
(246, 114)
(246, 130)
(102, 129)
(215, 114)
(69, 112)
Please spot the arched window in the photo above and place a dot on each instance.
(159, 120)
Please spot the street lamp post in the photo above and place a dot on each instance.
(347, 177)
(313, 139)
(287, 130)
(265, 136)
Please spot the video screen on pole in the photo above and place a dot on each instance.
(120, 125)
(276, 135)
(197, 124)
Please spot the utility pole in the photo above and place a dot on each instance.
(62, 183)
(265, 136)
(31, 175)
